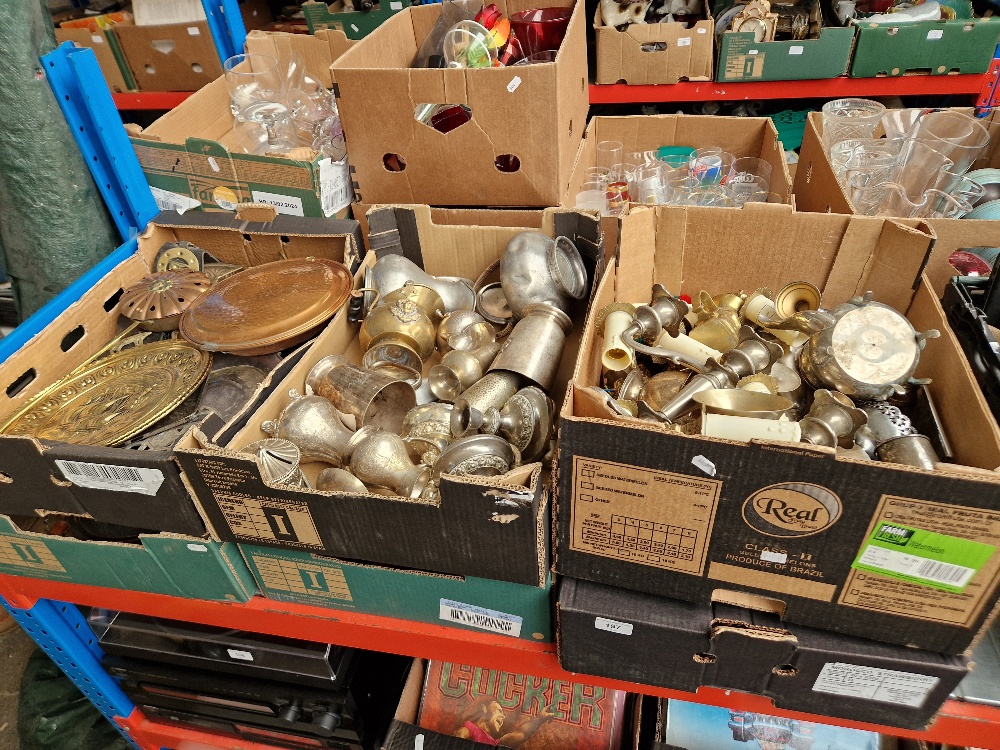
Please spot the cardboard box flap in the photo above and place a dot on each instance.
(316, 53)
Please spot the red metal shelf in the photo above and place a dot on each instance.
(826, 88)
(150, 99)
(958, 723)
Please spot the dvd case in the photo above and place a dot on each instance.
(520, 711)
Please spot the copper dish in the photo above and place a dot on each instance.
(267, 308)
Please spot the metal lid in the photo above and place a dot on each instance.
(267, 308)
(491, 303)
(163, 295)
(566, 267)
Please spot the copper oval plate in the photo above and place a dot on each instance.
(116, 397)
(267, 308)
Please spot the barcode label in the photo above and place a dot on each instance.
(916, 567)
(335, 189)
(239, 655)
(168, 201)
(875, 684)
(110, 477)
(479, 617)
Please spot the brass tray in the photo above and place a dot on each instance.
(114, 398)
(267, 308)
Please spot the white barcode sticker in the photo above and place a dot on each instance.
(935, 33)
(395, 5)
(97, 39)
(916, 567)
(239, 655)
(198, 548)
(613, 626)
(514, 83)
(874, 684)
(702, 31)
(684, 41)
(356, 29)
(335, 189)
(796, 49)
(479, 617)
(194, 31)
(283, 204)
(168, 201)
(110, 477)
(704, 464)
(213, 164)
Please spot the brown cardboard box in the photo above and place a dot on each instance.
(817, 189)
(172, 57)
(494, 528)
(192, 151)
(631, 56)
(531, 115)
(33, 482)
(100, 42)
(741, 136)
(622, 481)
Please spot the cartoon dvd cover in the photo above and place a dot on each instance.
(520, 711)
(693, 726)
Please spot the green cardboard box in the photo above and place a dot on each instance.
(929, 47)
(354, 24)
(741, 58)
(171, 564)
(475, 604)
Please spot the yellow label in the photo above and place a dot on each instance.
(225, 198)
(881, 593)
(15, 550)
(650, 517)
(324, 581)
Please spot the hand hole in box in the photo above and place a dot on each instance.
(197, 68)
(71, 338)
(22, 382)
(59, 481)
(442, 117)
(284, 239)
(5, 478)
(163, 46)
(112, 302)
(247, 237)
(393, 162)
(654, 47)
(507, 163)
(785, 670)
(704, 658)
(151, 70)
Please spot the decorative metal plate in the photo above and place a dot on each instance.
(269, 307)
(116, 397)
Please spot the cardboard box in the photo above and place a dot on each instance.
(742, 58)
(159, 12)
(651, 640)
(528, 121)
(817, 189)
(107, 51)
(960, 45)
(654, 53)
(622, 480)
(193, 567)
(171, 57)
(33, 483)
(494, 528)
(741, 136)
(354, 25)
(192, 154)
(474, 604)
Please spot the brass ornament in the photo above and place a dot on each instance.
(157, 301)
(179, 256)
(757, 19)
(116, 397)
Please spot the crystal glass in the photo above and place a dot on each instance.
(957, 136)
(848, 119)
(748, 175)
(252, 79)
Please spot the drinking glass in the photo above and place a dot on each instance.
(747, 175)
(597, 174)
(651, 187)
(609, 153)
(252, 79)
(920, 167)
(957, 136)
(706, 166)
(963, 188)
(848, 119)
(593, 200)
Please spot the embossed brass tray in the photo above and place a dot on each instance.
(116, 397)
(267, 308)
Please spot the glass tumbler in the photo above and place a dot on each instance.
(955, 135)
(251, 79)
(849, 119)
(609, 153)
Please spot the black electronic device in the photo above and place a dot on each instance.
(231, 651)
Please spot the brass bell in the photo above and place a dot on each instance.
(313, 424)
(382, 460)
